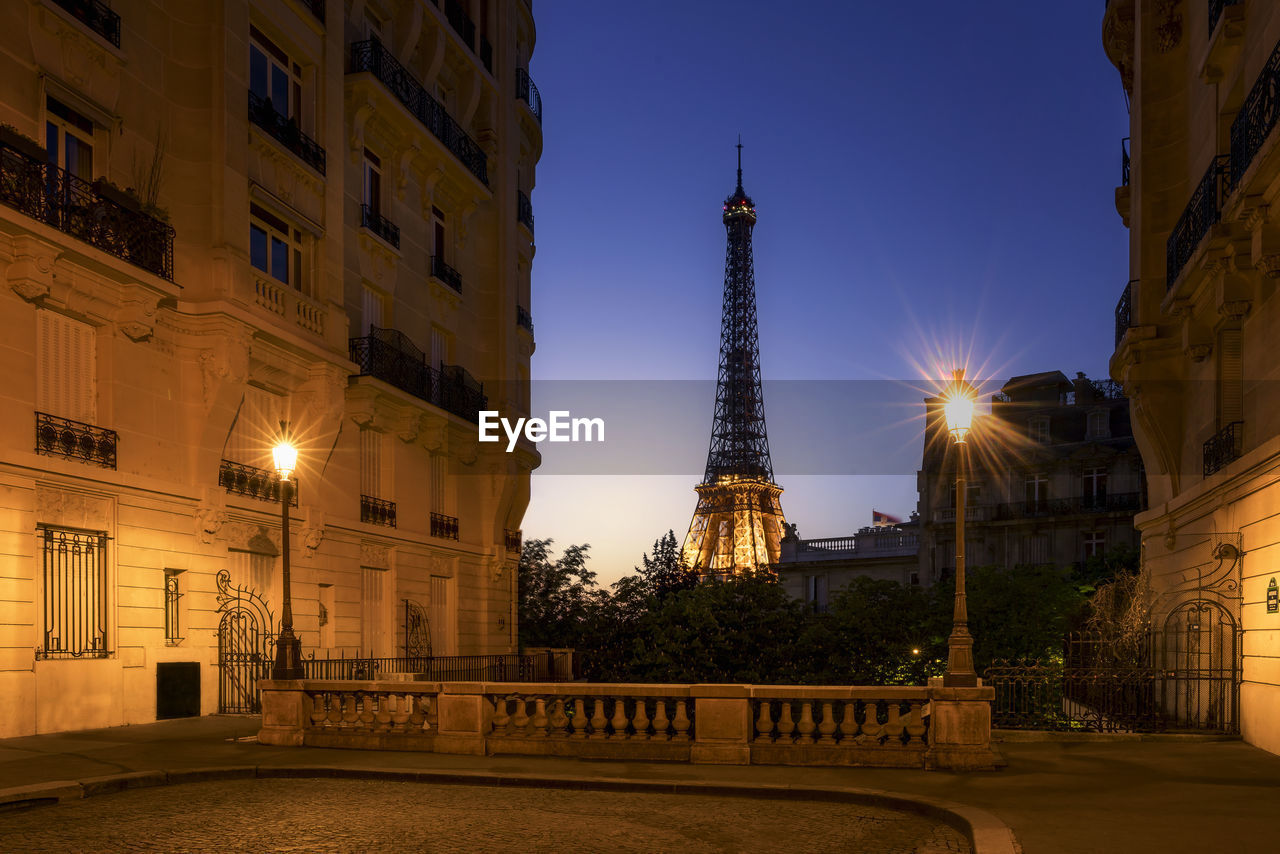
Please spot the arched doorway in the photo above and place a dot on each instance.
(1200, 667)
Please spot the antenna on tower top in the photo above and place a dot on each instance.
(739, 162)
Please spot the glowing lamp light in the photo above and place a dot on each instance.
(958, 407)
(284, 455)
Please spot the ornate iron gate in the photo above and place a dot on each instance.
(417, 631)
(1200, 669)
(246, 636)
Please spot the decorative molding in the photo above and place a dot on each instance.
(209, 522)
(1199, 352)
(1269, 266)
(375, 555)
(312, 537)
(1168, 32)
(1235, 309)
(1118, 39)
(73, 509)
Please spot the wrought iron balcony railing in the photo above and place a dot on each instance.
(380, 225)
(524, 210)
(524, 319)
(77, 207)
(1223, 447)
(1124, 312)
(1215, 11)
(316, 7)
(1124, 162)
(1257, 116)
(1203, 211)
(371, 56)
(445, 527)
(1118, 502)
(512, 540)
(390, 356)
(239, 479)
(285, 131)
(375, 511)
(527, 92)
(445, 273)
(62, 437)
(96, 16)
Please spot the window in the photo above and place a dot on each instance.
(815, 593)
(274, 77)
(1094, 544)
(253, 432)
(372, 197)
(972, 493)
(1037, 549)
(1099, 424)
(1095, 487)
(66, 384)
(372, 25)
(370, 463)
(372, 305)
(439, 237)
(75, 593)
(254, 571)
(440, 616)
(1038, 429)
(440, 347)
(374, 617)
(69, 139)
(1230, 377)
(439, 504)
(1037, 493)
(172, 612)
(275, 247)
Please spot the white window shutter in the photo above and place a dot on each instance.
(370, 463)
(1230, 377)
(67, 370)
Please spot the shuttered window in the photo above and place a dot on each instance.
(440, 613)
(1230, 377)
(439, 497)
(371, 313)
(370, 463)
(255, 430)
(374, 619)
(67, 368)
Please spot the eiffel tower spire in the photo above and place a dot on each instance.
(737, 526)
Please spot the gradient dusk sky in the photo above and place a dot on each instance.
(932, 179)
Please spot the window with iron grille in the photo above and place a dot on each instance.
(172, 614)
(75, 593)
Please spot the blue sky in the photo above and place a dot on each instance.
(930, 179)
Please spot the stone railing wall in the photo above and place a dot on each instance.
(896, 727)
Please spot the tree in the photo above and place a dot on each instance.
(556, 598)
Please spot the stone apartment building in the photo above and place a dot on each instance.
(1054, 478)
(1196, 328)
(215, 217)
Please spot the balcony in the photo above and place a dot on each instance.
(372, 57)
(380, 225)
(444, 527)
(389, 355)
(1203, 211)
(1223, 447)
(445, 273)
(1256, 118)
(527, 92)
(96, 16)
(75, 440)
(1215, 11)
(512, 540)
(375, 511)
(1124, 313)
(1124, 162)
(286, 132)
(524, 211)
(972, 513)
(523, 319)
(85, 210)
(1119, 502)
(239, 479)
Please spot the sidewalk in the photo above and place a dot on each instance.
(1124, 795)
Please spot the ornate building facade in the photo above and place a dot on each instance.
(1054, 478)
(326, 222)
(1196, 326)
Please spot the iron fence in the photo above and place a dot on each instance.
(445, 273)
(1116, 502)
(46, 192)
(240, 479)
(1223, 447)
(528, 92)
(63, 437)
(443, 526)
(1257, 116)
(441, 668)
(380, 225)
(524, 211)
(376, 511)
(389, 355)
(1124, 312)
(285, 130)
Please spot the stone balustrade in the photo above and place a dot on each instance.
(895, 727)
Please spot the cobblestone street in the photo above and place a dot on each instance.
(360, 815)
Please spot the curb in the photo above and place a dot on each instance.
(986, 833)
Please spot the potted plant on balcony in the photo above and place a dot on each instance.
(11, 137)
(126, 199)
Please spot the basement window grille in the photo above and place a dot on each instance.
(75, 593)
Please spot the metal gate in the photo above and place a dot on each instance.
(417, 631)
(246, 637)
(1200, 667)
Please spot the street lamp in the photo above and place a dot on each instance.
(288, 664)
(957, 408)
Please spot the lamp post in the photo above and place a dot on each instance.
(957, 407)
(288, 663)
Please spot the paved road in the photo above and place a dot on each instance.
(362, 815)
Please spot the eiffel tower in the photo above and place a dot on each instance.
(737, 526)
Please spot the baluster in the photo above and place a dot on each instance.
(558, 720)
(399, 714)
(597, 718)
(520, 721)
(915, 721)
(786, 726)
(640, 721)
(539, 718)
(849, 722)
(660, 722)
(432, 722)
(417, 713)
(872, 729)
(579, 718)
(827, 728)
(366, 711)
(894, 725)
(681, 722)
(350, 714)
(764, 722)
(318, 711)
(500, 717)
(619, 721)
(806, 725)
(382, 716)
